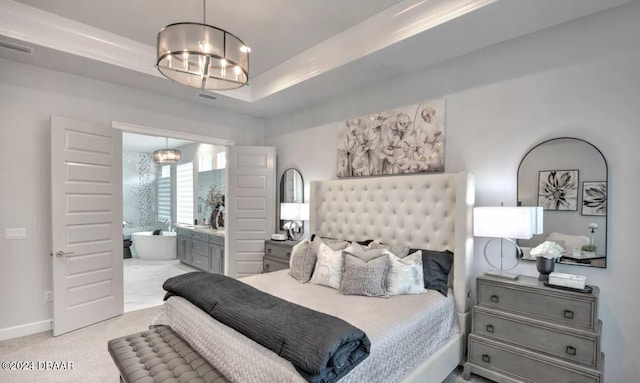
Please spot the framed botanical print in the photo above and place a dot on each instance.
(594, 198)
(558, 190)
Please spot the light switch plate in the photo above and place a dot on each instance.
(15, 233)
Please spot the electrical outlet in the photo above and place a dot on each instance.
(48, 296)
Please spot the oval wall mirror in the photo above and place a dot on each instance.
(291, 189)
(568, 178)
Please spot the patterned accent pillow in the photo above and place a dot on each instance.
(364, 278)
(405, 276)
(400, 251)
(302, 261)
(328, 268)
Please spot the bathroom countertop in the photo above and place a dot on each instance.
(203, 229)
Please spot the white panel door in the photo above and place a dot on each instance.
(251, 198)
(86, 192)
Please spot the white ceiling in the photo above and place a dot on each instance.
(275, 30)
(303, 51)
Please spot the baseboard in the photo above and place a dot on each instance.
(25, 329)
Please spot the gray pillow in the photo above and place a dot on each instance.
(334, 244)
(365, 255)
(399, 251)
(364, 278)
(303, 259)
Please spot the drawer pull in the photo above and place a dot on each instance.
(288, 254)
(494, 299)
(568, 314)
(266, 265)
(269, 251)
(490, 328)
(486, 358)
(571, 350)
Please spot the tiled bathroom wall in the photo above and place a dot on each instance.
(139, 192)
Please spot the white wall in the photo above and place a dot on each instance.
(28, 96)
(580, 79)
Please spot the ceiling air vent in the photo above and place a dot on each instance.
(16, 47)
(208, 96)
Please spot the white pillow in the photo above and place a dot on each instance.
(405, 276)
(570, 241)
(328, 270)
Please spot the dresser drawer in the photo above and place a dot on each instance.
(270, 264)
(202, 262)
(574, 346)
(183, 232)
(200, 236)
(199, 248)
(278, 251)
(541, 303)
(523, 365)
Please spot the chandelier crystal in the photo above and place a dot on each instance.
(202, 56)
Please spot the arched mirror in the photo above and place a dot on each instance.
(568, 178)
(291, 189)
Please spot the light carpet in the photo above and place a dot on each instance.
(87, 349)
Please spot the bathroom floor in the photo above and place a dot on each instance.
(143, 281)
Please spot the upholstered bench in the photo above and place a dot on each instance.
(159, 355)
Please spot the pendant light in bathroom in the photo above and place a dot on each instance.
(166, 156)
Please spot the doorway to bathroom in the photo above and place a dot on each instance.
(158, 198)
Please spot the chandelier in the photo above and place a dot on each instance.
(202, 56)
(167, 156)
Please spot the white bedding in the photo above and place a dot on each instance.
(404, 331)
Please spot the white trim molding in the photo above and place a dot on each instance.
(140, 129)
(25, 329)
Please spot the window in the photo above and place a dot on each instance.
(221, 160)
(164, 194)
(166, 171)
(184, 193)
(206, 163)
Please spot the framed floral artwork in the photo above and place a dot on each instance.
(558, 190)
(594, 198)
(399, 141)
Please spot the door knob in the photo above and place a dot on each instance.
(60, 253)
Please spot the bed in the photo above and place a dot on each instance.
(409, 342)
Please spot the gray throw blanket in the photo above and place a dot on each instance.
(322, 348)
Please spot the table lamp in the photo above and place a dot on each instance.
(294, 213)
(505, 223)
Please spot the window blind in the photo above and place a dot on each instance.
(184, 193)
(164, 199)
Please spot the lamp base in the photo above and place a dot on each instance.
(503, 275)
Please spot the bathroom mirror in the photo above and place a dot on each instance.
(206, 180)
(568, 178)
(291, 189)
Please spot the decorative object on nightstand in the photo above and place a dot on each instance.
(523, 331)
(294, 213)
(276, 255)
(546, 254)
(506, 223)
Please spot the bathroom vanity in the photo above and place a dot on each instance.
(201, 247)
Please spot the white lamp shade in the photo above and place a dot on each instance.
(294, 211)
(507, 222)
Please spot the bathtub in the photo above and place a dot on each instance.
(155, 247)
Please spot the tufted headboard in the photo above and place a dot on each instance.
(431, 211)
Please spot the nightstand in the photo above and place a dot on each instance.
(525, 331)
(276, 255)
